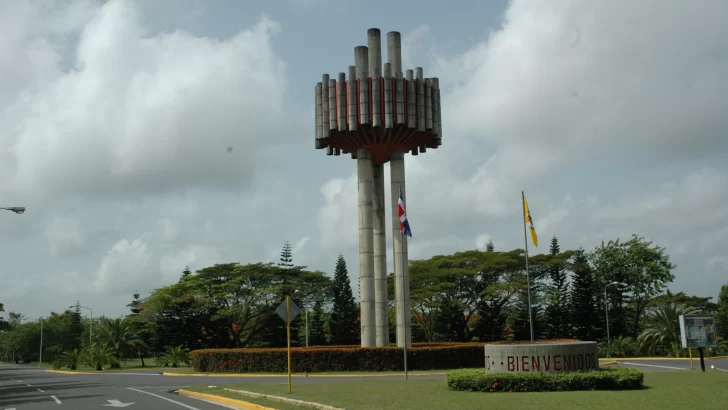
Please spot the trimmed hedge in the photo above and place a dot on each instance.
(475, 380)
(349, 358)
(421, 356)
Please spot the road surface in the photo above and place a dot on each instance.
(27, 388)
(664, 365)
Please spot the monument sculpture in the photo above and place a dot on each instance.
(377, 115)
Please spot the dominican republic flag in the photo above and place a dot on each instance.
(404, 227)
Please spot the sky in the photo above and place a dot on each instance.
(116, 118)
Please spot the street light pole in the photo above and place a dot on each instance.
(40, 354)
(606, 313)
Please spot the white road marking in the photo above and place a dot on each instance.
(117, 403)
(187, 406)
(18, 381)
(653, 365)
(28, 385)
(42, 391)
(56, 399)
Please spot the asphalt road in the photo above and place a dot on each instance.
(27, 388)
(670, 365)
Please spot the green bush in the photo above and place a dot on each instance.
(619, 378)
(341, 358)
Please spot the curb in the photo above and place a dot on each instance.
(613, 362)
(67, 372)
(296, 375)
(280, 399)
(222, 400)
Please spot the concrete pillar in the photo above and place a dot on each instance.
(366, 248)
(401, 274)
(381, 299)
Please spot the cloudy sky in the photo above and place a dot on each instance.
(116, 118)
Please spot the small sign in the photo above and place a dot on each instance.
(698, 331)
(281, 310)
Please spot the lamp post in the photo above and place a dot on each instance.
(40, 353)
(606, 313)
(91, 323)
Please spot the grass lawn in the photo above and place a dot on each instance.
(664, 390)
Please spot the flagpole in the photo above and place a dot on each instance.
(528, 276)
(406, 314)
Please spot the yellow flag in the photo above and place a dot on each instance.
(529, 221)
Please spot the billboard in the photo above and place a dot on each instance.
(698, 331)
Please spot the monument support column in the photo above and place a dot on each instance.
(380, 258)
(366, 248)
(399, 243)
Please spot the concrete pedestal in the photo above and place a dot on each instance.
(541, 357)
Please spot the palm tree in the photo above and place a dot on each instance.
(663, 331)
(119, 336)
(69, 359)
(98, 355)
(174, 355)
(620, 346)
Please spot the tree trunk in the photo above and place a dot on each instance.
(141, 356)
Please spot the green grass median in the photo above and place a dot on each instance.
(663, 390)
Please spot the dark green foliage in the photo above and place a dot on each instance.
(186, 272)
(338, 358)
(557, 311)
(490, 247)
(316, 331)
(586, 315)
(344, 321)
(721, 315)
(286, 260)
(476, 380)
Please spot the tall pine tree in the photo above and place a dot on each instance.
(557, 297)
(490, 246)
(316, 332)
(286, 260)
(187, 272)
(585, 301)
(344, 322)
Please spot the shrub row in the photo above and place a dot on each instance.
(346, 358)
(475, 380)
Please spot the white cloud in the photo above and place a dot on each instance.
(143, 111)
(608, 116)
(573, 91)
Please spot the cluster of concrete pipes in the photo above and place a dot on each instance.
(377, 116)
(372, 225)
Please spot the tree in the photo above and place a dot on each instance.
(721, 314)
(643, 271)
(344, 323)
(698, 303)
(663, 331)
(187, 272)
(490, 246)
(557, 297)
(584, 299)
(119, 336)
(138, 326)
(286, 260)
(316, 332)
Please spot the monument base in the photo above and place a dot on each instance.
(541, 357)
